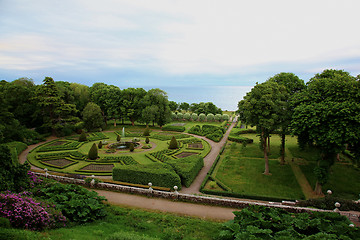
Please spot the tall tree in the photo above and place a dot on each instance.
(327, 114)
(157, 98)
(133, 103)
(262, 107)
(92, 116)
(293, 85)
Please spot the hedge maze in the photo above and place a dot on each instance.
(162, 166)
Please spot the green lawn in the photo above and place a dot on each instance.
(127, 223)
(244, 175)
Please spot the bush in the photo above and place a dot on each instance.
(259, 222)
(118, 138)
(4, 223)
(158, 174)
(187, 168)
(218, 117)
(194, 116)
(82, 137)
(25, 212)
(202, 117)
(187, 116)
(76, 203)
(147, 140)
(240, 139)
(131, 147)
(328, 202)
(180, 116)
(210, 117)
(93, 152)
(173, 128)
(100, 145)
(173, 143)
(146, 131)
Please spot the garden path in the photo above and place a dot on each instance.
(208, 161)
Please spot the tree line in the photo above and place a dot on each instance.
(324, 112)
(60, 107)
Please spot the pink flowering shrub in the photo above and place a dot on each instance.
(24, 212)
(34, 180)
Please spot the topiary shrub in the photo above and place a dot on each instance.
(173, 143)
(202, 117)
(93, 153)
(82, 137)
(147, 140)
(100, 145)
(131, 147)
(146, 131)
(118, 138)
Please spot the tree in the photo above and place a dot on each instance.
(225, 117)
(131, 147)
(210, 117)
(202, 117)
(173, 106)
(293, 85)
(146, 131)
(261, 107)
(132, 101)
(100, 145)
(194, 116)
(173, 143)
(184, 106)
(157, 103)
(326, 113)
(93, 152)
(218, 117)
(81, 95)
(147, 140)
(180, 116)
(82, 137)
(56, 113)
(92, 116)
(173, 116)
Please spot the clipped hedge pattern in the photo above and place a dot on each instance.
(124, 160)
(212, 132)
(187, 168)
(163, 137)
(240, 139)
(67, 145)
(173, 128)
(158, 174)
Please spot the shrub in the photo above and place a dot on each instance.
(225, 117)
(194, 116)
(180, 116)
(240, 139)
(210, 117)
(158, 174)
(93, 152)
(187, 168)
(4, 223)
(131, 147)
(218, 117)
(146, 131)
(82, 137)
(259, 222)
(173, 128)
(147, 140)
(118, 138)
(24, 212)
(75, 202)
(186, 116)
(328, 202)
(202, 117)
(173, 116)
(173, 143)
(100, 145)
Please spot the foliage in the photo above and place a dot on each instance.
(187, 116)
(147, 140)
(263, 107)
(65, 145)
(146, 131)
(167, 137)
(259, 222)
(132, 103)
(131, 147)
(173, 143)
(328, 202)
(157, 107)
(100, 145)
(240, 139)
(225, 117)
(13, 176)
(158, 174)
(82, 137)
(210, 117)
(202, 117)
(173, 128)
(75, 202)
(93, 152)
(92, 116)
(212, 132)
(24, 212)
(194, 116)
(180, 116)
(187, 168)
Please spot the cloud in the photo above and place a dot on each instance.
(233, 39)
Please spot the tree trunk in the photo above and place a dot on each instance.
(338, 157)
(282, 161)
(267, 170)
(318, 188)
(268, 144)
(115, 122)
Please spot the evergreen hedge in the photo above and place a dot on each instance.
(187, 168)
(82, 137)
(173, 143)
(158, 174)
(240, 139)
(93, 152)
(173, 128)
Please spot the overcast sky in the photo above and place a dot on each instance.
(174, 43)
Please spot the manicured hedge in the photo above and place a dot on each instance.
(212, 132)
(173, 128)
(187, 168)
(124, 160)
(158, 174)
(68, 145)
(163, 137)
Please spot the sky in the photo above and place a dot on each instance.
(158, 43)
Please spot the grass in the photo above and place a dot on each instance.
(344, 181)
(129, 223)
(244, 175)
